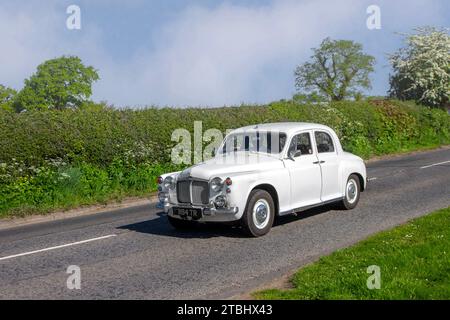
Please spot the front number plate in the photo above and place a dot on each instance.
(194, 213)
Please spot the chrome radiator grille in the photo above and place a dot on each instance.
(183, 191)
(198, 189)
(200, 192)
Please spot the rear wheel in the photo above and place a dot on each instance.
(352, 192)
(180, 224)
(259, 213)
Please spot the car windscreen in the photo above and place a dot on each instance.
(255, 141)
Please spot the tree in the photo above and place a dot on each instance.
(6, 97)
(58, 84)
(422, 68)
(338, 70)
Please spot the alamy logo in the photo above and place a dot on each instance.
(73, 21)
(374, 19)
(190, 147)
(186, 148)
(74, 280)
(374, 280)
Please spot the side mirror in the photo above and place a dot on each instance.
(294, 153)
(213, 152)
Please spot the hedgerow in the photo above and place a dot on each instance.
(61, 159)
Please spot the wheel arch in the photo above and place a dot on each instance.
(361, 180)
(273, 193)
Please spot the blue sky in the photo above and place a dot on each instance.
(200, 53)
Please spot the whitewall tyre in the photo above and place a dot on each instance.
(352, 192)
(259, 213)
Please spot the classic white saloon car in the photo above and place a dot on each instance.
(263, 171)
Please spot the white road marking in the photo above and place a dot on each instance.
(434, 164)
(370, 179)
(57, 247)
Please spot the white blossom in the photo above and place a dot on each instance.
(422, 68)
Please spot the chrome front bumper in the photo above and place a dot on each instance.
(209, 213)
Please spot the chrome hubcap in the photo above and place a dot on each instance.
(261, 213)
(352, 191)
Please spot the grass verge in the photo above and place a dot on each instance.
(414, 262)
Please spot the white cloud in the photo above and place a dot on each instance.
(232, 54)
(227, 54)
(31, 33)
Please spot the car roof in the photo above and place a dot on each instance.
(287, 127)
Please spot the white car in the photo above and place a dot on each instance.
(263, 171)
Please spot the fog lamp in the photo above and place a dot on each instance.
(162, 196)
(220, 201)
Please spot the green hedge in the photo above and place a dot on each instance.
(61, 159)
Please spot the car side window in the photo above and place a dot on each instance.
(301, 142)
(324, 142)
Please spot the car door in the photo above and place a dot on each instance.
(304, 171)
(329, 165)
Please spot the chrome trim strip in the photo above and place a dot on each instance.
(214, 211)
(207, 211)
(310, 206)
(190, 191)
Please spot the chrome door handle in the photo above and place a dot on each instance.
(316, 162)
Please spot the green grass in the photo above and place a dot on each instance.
(70, 187)
(414, 261)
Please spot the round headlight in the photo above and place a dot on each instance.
(169, 182)
(216, 184)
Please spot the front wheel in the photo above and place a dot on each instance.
(259, 213)
(352, 192)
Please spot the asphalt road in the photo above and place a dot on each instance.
(135, 254)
